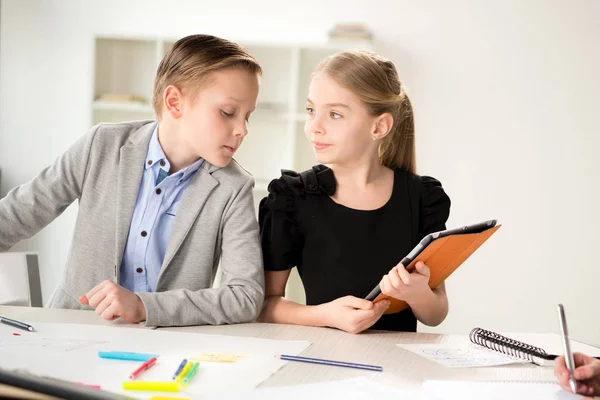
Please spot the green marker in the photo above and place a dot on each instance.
(188, 377)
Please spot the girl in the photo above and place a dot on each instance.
(345, 224)
(160, 203)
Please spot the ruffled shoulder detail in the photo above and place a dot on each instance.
(435, 206)
(285, 190)
(319, 180)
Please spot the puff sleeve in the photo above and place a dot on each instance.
(435, 206)
(281, 238)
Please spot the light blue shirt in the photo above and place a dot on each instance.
(155, 209)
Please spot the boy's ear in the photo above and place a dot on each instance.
(173, 99)
(383, 125)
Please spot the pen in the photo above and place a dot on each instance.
(330, 362)
(179, 368)
(184, 371)
(16, 324)
(567, 347)
(188, 377)
(147, 365)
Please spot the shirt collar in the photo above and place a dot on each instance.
(156, 155)
(189, 170)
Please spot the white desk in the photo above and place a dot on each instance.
(401, 368)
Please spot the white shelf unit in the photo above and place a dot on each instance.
(276, 130)
(124, 66)
(127, 65)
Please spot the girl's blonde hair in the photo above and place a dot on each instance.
(192, 58)
(375, 81)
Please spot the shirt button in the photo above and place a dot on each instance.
(162, 163)
(149, 162)
(139, 270)
(312, 188)
(144, 233)
(158, 191)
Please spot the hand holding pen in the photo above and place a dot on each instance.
(587, 374)
(577, 372)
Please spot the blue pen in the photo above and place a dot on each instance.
(179, 368)
(123, 355)
(330, 362)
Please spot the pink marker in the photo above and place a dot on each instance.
(88, 385)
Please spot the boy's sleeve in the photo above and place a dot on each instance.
(241, 293)
(28, 208)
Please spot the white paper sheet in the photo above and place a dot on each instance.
(465, 390)
(70, 352)
(348, 389)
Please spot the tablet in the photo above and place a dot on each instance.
(427, 240)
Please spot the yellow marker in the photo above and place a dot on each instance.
(169, 398)
(184, 371)
(152, 386)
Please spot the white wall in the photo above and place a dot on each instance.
(506, 95)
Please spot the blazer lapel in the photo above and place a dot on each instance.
(200, 187)
(131, 168)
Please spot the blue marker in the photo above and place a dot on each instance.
(122, 355)
(179, 368)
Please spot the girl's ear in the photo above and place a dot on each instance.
(172, 99)
(383, 126)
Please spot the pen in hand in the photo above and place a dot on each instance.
(567, 347)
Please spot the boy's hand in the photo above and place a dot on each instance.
(409, 287)
(112, 301)
(352, 314)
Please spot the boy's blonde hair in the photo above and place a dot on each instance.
(192, 58)
(375, 81)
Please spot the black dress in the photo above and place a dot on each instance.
(342, 251)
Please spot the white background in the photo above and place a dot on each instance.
(506, 100)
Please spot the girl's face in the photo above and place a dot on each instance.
(338, 124)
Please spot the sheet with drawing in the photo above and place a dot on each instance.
(70, 352)
(465, 356)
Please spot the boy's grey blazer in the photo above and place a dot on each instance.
(216, 220)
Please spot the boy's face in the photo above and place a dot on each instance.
(338, 125)
(214, 117)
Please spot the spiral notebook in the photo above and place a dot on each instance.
(524, 351)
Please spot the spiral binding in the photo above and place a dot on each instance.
(502, 344)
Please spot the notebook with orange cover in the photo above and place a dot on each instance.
(443, 252)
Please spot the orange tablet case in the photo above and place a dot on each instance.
(443, 256)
